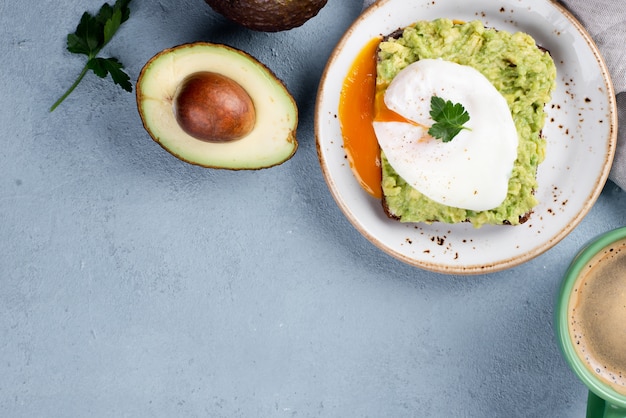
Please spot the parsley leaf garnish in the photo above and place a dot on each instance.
(449, 118)
(92, 34)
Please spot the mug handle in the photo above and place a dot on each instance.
(599, 408)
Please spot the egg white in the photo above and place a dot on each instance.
(472, 171)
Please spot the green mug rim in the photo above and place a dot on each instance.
(590, 380)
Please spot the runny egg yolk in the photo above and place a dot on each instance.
(382, 113)
(361, 103)
(356, 114)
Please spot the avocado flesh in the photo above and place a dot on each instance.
(268, 16)
(271, 142)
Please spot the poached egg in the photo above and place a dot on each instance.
(471, 171)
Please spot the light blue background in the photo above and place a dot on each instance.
(135, 285)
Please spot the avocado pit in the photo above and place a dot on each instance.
(213, 108)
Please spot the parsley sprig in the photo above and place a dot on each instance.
(449, 118)
(92, 34)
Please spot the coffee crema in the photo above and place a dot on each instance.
(597, 316)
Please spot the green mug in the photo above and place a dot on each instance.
(583, 319)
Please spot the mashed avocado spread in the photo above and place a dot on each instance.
(522, 72)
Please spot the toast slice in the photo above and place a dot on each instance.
(521, 71)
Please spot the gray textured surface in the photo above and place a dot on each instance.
(132, 284)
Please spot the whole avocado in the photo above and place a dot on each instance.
(268, 15)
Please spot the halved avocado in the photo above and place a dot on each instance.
(268, 16)
(177, 102)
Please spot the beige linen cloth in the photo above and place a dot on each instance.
(605, 20)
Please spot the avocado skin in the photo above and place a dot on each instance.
(268, 15)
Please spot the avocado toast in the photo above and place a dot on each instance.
(523, 73)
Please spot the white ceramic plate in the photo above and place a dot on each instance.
(581, 131)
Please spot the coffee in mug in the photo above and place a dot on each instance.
(590, 322)
(597, 315)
